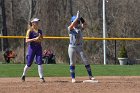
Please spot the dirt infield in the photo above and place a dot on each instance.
(107, 84)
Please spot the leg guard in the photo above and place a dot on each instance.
(72, 71)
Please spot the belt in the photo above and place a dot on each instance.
(75, 44)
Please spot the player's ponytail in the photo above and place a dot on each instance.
(30, 26)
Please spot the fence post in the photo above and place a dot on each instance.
(115, 53)
(24, 50)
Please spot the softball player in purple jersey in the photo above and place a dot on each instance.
(34, 38)
(75, 45)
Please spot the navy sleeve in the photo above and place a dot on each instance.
(40, 31)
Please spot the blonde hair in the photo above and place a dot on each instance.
(30, 24)
(29, 27)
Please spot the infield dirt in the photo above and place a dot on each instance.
(106, 84)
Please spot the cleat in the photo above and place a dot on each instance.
(23, 78)
(73, 80)
(91, 78)
(42, 80)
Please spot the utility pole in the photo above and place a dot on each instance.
(104, 32)
(4, 30)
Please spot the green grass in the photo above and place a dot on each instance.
(62, 70)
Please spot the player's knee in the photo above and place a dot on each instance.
(29, 65)
(72, 64)
(40, 62)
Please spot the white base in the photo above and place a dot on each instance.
(90, 81)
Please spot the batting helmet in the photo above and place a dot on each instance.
(73, 18)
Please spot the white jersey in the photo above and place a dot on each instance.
(76, 38)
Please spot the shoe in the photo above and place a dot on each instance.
(23, 78)
(42, 80)
(73, 80)
(91, 78)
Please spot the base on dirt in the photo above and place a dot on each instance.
(90, 81)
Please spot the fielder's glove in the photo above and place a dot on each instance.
(82, 20)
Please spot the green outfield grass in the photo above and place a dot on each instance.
(62, 70)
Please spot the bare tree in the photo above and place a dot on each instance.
(4, 30)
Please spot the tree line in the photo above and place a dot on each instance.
(122, 20)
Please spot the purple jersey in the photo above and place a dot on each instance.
(34, 48)
(33, 34)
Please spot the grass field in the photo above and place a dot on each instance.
(62, 70)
